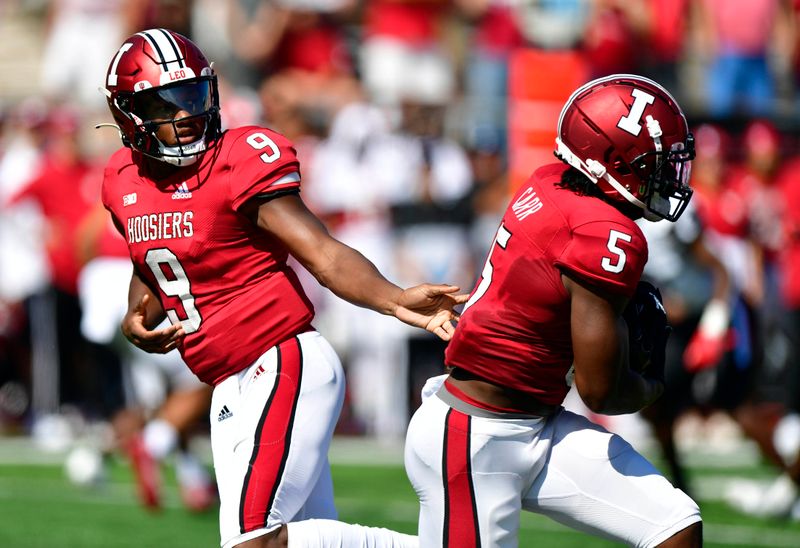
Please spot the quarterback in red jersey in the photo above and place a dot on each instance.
(210, 218)
(559, 302)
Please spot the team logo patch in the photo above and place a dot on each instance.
(129, 199)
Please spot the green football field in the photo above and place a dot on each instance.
(40, 508)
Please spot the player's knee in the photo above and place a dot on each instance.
(279, 538)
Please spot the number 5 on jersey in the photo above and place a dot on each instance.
(609, 264)
(501, 240)
(613, 264)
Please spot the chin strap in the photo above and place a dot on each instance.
(596, 171)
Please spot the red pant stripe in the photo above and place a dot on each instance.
(269, 453)
(460, 511)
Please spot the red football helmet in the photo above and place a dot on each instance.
(155, 75)
(629, 136)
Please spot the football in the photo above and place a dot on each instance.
(84, 466)
(648, 330)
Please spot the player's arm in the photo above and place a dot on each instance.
(711, 339)
(603, 378)
(347, 272)
(144, 313)
(721, 282)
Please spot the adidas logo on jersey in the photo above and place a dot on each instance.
(182, 192)
(224, 413)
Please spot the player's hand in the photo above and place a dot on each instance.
(431, 307)
(647, 331)
(156, 341)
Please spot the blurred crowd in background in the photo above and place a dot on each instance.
(414, 120)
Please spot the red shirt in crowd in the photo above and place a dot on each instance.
(64, 191)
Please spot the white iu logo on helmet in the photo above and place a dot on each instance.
(632, 122)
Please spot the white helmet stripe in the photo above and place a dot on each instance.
(112, 73)
(165, 46)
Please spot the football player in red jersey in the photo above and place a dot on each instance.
(559, 303)
(210, 218)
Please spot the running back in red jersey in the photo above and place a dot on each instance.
(515, 328)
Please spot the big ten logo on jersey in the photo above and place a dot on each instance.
(160, 226)
(527, 204)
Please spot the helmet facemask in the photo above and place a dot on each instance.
(663, 190)
(667, 191)
(152, 108)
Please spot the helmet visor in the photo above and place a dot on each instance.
(164, 103)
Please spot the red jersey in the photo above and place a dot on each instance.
(64, 193)
(415, 24)
(215, 271)
(725, 208)
(788, 182)
(515, 328)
